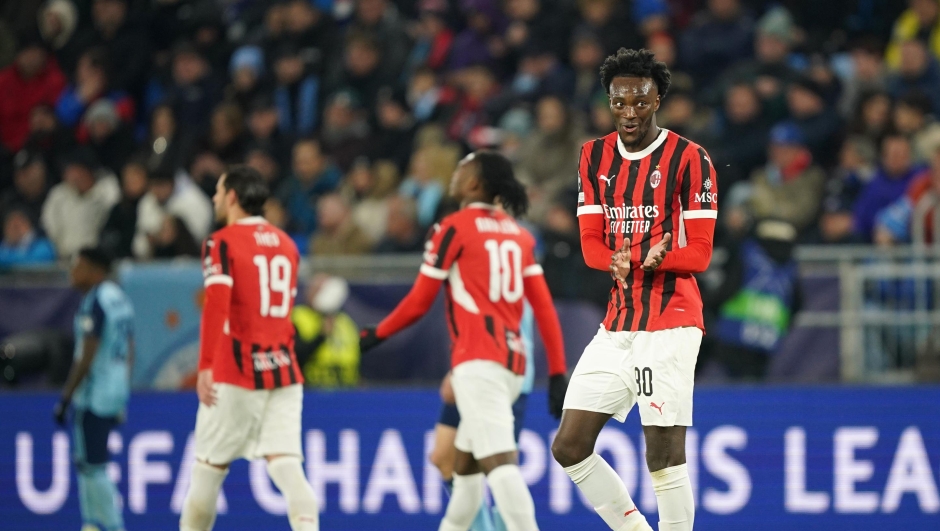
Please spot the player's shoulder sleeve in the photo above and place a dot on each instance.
(443, 246)
(589, 198)
(93, 321)
(530, 265)
(217, 259)
(698, 184)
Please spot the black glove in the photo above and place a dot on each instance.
(557, 387)
(368, 340)
(59, 412)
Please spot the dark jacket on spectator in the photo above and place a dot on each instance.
(877, 194)
(709, 45)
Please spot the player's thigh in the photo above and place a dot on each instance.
(281, 423)
(90, 437)
(597, 383)
(664, 375)
(224, 431)
(485, 392)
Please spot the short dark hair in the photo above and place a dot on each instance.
(98, 257)
(250, 188)
(636, 63)
(500, 182)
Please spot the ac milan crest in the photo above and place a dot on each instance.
(655, 178)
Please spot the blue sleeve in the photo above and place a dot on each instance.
(97, 319)
(69, 109)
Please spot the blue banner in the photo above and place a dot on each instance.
(771, 459)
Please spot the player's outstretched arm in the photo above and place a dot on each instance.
(539, 297)
(410, 309)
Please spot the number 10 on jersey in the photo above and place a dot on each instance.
(505, 270)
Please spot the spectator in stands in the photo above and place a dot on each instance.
(205, 168)
(112, 140)
(611, 21)
(472, 109)
(913, 117)
(433, 38)
(889, 183)
(921, 21)
(403, 234)
(170, 196)
(426, 97)
(368, 188)
(549, 156)
(345, 134)
(537, 21)
(337, 233)
(77, 208)
(58, 22)
(381, 20)
(718, 37)
(873, 116)
(261, 158)
(361, 70)
(33, 79)
(818, 122)
(314, 175)
(174, 240)
(30, 186)
(769, 71)
(225, 137)
(21, 244)
(246, 71)
(193, 90)
(164, 144)
(918, 71)
(394, 138)
(868, 75)
(481, 42)
(48, 138)
(682, 114)
(915, 216)
(761, 274)
(424, 185)
(789, 188)
(264, 130)
(856, 169)
(296, 93)
(91, 84)
(204, 26)
(540, 74)
(117, 235)
(586, 56)
(128, 44)
(327, 340)
(741, 145)
(313, 31)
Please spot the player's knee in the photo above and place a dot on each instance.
(442, 460)
(660, 456)
(569, 451)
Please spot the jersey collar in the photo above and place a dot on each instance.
(480, 204)
(251, 220)
(663, 133)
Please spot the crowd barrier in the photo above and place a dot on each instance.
(779, 458)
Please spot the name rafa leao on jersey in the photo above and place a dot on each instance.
(631, 219)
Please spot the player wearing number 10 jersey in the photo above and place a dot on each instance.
(249, 384)
(488, 263)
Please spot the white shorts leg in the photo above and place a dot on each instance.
(280, 424)
(601, 380)
(664, 375)
(485, 391)
(225, 431)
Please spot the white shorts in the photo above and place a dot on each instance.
(484, 391)
(250, 424)
(654, 369)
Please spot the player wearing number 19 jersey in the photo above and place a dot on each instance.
(647, 211)
(249, 383)
(487, 262)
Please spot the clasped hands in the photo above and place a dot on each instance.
(621, 266)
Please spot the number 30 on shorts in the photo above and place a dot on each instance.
(644, 381)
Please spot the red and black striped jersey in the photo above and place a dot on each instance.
(247, 337)
(643, 196)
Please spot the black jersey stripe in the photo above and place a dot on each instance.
(628, 311)
(669, 280)
(237, 353)
(276, 373)
(610, 195)
(293, 366)
(223, 256)
(649, 198)
(445, 246)
(597, 153)
(449, 309)
(259, 377)
(706, 175)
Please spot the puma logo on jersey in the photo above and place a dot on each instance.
(607, 179)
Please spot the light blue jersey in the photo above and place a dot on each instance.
(105, 313)
(526, 329)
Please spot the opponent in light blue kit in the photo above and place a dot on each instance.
(98, 385)
(488, 519)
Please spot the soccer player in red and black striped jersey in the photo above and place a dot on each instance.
(487, 262)
(647, 212)
(249, 386)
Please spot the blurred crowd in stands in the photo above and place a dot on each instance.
(118, 116)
